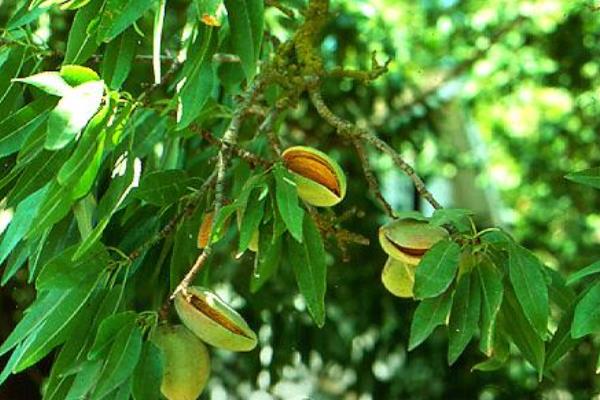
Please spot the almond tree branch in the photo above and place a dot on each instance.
(229, 140)
(354, 132)
(188, 209)
(252, 159)
(370, 177)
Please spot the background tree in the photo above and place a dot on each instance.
(183, 110)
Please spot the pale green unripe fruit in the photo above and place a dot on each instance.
(186, 362)
(398, 277)
(408, 239)
(319, 179)
(213, 320)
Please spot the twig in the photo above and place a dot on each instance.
(253, 159)
(346, 128)
(190, 207)
(266, 127)
(288, 12)
(370, 177)
(229, 140)
(365, 77)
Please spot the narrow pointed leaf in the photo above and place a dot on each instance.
(587, 313)
(527, 279)
(308, 262)
(429, 314)
(119, 15)
(589, 177)
(48, 81)
(22, 219)
(121, 361)
(72, 114)
(437, 269)
(464, 315)
(491, 298)
(287, 202)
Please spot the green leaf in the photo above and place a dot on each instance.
(73, 4)
(12, 361)
(85, 380)
(75, 167)
(71, 354)
(118, 59)
(149, 130)
(527, 279)
(72, 114)
(81, 44)
(123, 392)
(246, 24)
(108, 330)
(308, 262)
(76, 75)
(36, 175)
(221, 222)
(148, 373)
(457, 217)
(57, 203)
(49, 81)
(14, 67)
(587, 313)
(521, 332)
(429, 314)
(464, 315)
(267, 258)
(584, 273)
(119, 15)
(287, 201)
(88, 177)
(62, 273)
(21, 222)
(561, 342)
(84, 210)
(185, 249)
(498, 359)
(18, 126)
(119, 188)
(251, 218)
(492, 291)
(25, 15)
(589, 177)
(56, 325)
(121, 361)
(16, 260)
(163, 188)
(437, 269)
(200, 79)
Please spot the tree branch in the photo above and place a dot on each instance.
(348, 129)
(229, 140)
(370, 177)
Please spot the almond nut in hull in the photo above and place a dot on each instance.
(213, 321)
(398, 277)
(186, 362)
(319, 179)
(408, 239)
